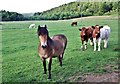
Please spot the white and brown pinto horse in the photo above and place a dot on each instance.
(85, 35)
(50, 47)
(100, 33)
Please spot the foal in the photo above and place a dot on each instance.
(49, 47)
(86, 34)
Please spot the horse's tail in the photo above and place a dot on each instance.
(65, 43)
(64, 38)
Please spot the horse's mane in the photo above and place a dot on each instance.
(49, 40)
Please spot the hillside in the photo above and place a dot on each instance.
(66, 11)
(77, 9)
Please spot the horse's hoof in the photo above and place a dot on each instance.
(49, 78)
(82, 49)
(60, 65)
(44, 73)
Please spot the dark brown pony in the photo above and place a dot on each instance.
(49, 47)
(74, 23)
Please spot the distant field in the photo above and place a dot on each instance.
(21, 62)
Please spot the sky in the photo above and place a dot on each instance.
(30, 6)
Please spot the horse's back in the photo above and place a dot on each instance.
(59, 37)
(62, 38)
(105, 32)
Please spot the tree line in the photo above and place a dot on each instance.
(67, 11)
(11, 16)
(78, 9)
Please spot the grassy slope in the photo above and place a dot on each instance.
(21, 62)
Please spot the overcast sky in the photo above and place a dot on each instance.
(28, 6)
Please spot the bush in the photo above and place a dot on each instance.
(100, 13)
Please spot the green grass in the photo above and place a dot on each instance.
(21, 62)
(0, 54)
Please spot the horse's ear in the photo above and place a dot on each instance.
(45, 26)
(101, 27)
(79, 29)
(87, 29)
(93, 27)
(39, 27)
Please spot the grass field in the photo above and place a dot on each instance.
(21, 62)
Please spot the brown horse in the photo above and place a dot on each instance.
(86, 34)
(74, 23)
(50, 47)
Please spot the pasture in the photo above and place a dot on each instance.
(21, 62)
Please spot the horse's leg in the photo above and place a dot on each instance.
(49, 67)
(44, 65)
(99, 41)
(71, 24)
(82, 45)
(62, 54)
(94, 40)
(60, 59)
(86, 43)
(91, 41)
(105, 43)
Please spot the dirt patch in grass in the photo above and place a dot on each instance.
(117, 49)
(107, 77)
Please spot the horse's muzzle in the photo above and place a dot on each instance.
(44, 46)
